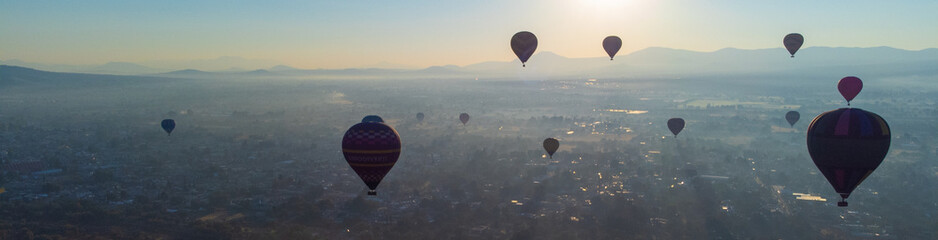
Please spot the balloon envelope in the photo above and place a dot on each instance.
(551, 145)
(168, 125)
(849, 87)
(847, 144)
(372, 118)
(464, 118)
(793, 42)
(612, 44)
(420, 117)
(792, 117)
(371, 149)
(523, 44)
(676, 125)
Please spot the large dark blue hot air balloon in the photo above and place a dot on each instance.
(793, 42)
(551, 145)
(371, 149)
(168, 126)
(464, 118)
(420, 117)
(372, 118)
(523, 44)
(847, 144)
(676, 125)
(792, 117)
(612, 44)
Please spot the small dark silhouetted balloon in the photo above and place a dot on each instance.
(847, 144)
(371, 149)
(551, 145)
(676, 125)
(792, 117)
(612, 44)
(464, 118)
(372, 118)
(793, 42)
(523, 44)
(849, 87)
(168, 126)
(420, 117)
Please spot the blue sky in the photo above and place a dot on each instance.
(337, 34)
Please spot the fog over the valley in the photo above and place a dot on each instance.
(256, 152)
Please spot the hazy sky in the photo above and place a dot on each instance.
(338, 34)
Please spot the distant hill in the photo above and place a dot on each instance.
(388, 65)
(655, 62)
(196, 74)
(666, 62)
(227, 63)
(187, 72)
(217, 64)
(282, 68)
(123, 68)
(20, 76)
(732, 60)
(261, 73)
(448, 69)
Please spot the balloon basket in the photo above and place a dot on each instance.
(372, 193)
(842, 204)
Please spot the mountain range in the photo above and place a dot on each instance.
(650, 62)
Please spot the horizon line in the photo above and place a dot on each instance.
(281, 64)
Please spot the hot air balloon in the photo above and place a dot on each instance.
(793, 42)
(676, 125)
(612, 44)
(847, 144)
(371, 149)
(523, 44)
(420, 117)
(792, 117)
(849, 87)
(464, 118)
(551, 145)
(372, 118)
(168, 126)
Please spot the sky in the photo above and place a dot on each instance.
(344, 34)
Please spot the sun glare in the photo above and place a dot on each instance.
(602, 9)
(607, 7)
(606, 3)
